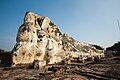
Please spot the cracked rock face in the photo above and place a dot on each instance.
(39, 39)
(80, 50)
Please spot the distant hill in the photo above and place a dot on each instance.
(98, 47)
(1, 51)
(115, 48)
(5, 58)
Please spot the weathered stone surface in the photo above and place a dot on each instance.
(39, 39)
(38, 64)
(80, 50)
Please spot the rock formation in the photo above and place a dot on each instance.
(37, 39)
(80, 50)
(40, 39)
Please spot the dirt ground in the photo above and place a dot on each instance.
(104, 69)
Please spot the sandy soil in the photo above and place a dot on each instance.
(106, 69)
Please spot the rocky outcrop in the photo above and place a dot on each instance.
(37, 39)
(80, 50)
(40, 39)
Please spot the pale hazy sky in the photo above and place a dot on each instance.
(91, 21)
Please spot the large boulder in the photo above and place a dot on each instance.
(38, 39)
